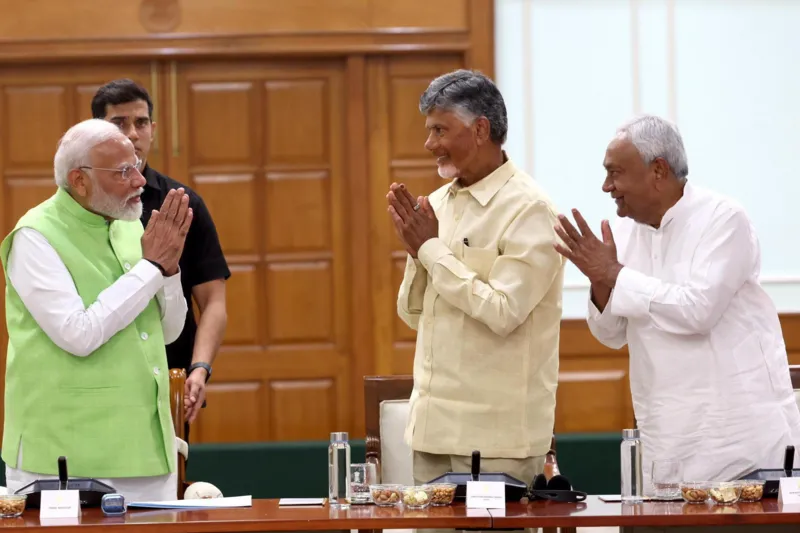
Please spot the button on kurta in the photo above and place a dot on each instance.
(155, 370)
(127, 266)
(144, 336)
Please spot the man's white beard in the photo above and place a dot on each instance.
(106, 205)
(447, 171)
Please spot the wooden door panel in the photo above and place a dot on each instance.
(302, 409)
(222, 131)
(234, 413)
(299, 302)
(297, 129)
(36, 117)
(237, 228)
(260, 141)
(297, 207)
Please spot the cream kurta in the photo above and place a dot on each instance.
(487, 315)
(708, 369)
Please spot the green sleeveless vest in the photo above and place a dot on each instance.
(108, 412)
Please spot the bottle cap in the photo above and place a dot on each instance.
(339, 436)
(630, 434)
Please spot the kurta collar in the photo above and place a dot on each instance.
(681, 207)
(484, 190)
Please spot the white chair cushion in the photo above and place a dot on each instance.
(396, 456)
(797, 396)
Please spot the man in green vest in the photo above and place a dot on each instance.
(92, 298)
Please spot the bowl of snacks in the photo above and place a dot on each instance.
(418, 497)
(443, 493)
(12, 505)
(695, 492)
(725, 492)
(752, 490)
(386, 495)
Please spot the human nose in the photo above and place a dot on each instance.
(608, 185)
(136, 178)
(430, 143)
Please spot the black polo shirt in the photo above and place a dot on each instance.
(202, 259)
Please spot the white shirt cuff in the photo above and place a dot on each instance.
(632, 294)
(431, 252)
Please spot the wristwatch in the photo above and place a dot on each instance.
(201, 365)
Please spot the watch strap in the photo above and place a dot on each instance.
(201, 365)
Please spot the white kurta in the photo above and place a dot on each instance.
(708, 367)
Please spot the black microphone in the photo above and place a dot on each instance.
(62, 472)
(788, 460)
(476, 465)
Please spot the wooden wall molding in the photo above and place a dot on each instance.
(54, 29)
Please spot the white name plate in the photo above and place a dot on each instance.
(60, 504)
(486, 495)
(789, 491)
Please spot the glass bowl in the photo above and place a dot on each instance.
(417, 497)
(386, 495)
(12, 505)
(752, 490)
(725, 492)
(443, 493)
(695, 492)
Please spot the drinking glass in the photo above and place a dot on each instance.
(667, 476)
(362, 475)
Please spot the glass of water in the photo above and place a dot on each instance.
(362, 475)
(667, 477)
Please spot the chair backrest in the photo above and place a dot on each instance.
(386, 414)
(794, 372)
(177, 383)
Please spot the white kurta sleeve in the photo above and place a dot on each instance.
(721, 264)
(606, 327)
(45, 286)
(173, 306)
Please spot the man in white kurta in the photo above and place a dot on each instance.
(678, 283)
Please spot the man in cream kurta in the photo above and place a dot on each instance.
(678, 283)
(482, 287)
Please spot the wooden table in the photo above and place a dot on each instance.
(264, 515)
(596, 513)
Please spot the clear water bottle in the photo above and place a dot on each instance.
(631, 487)
(339, 471)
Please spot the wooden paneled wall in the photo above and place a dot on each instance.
(291, 120)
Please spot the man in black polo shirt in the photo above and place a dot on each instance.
(203, 266)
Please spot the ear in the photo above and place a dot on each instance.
(79, 182)
(660, 169)
(483, 130)
(153, 130)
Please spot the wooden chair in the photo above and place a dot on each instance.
(177, 382)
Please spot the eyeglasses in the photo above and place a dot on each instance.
(126, 171)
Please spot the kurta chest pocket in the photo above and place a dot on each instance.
(480, 260)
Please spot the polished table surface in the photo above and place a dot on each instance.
(264, 515)
(596, 513)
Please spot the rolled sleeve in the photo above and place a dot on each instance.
(632, 294)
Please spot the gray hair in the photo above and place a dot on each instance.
(655, 137)
(470, 95)
(75, 146)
